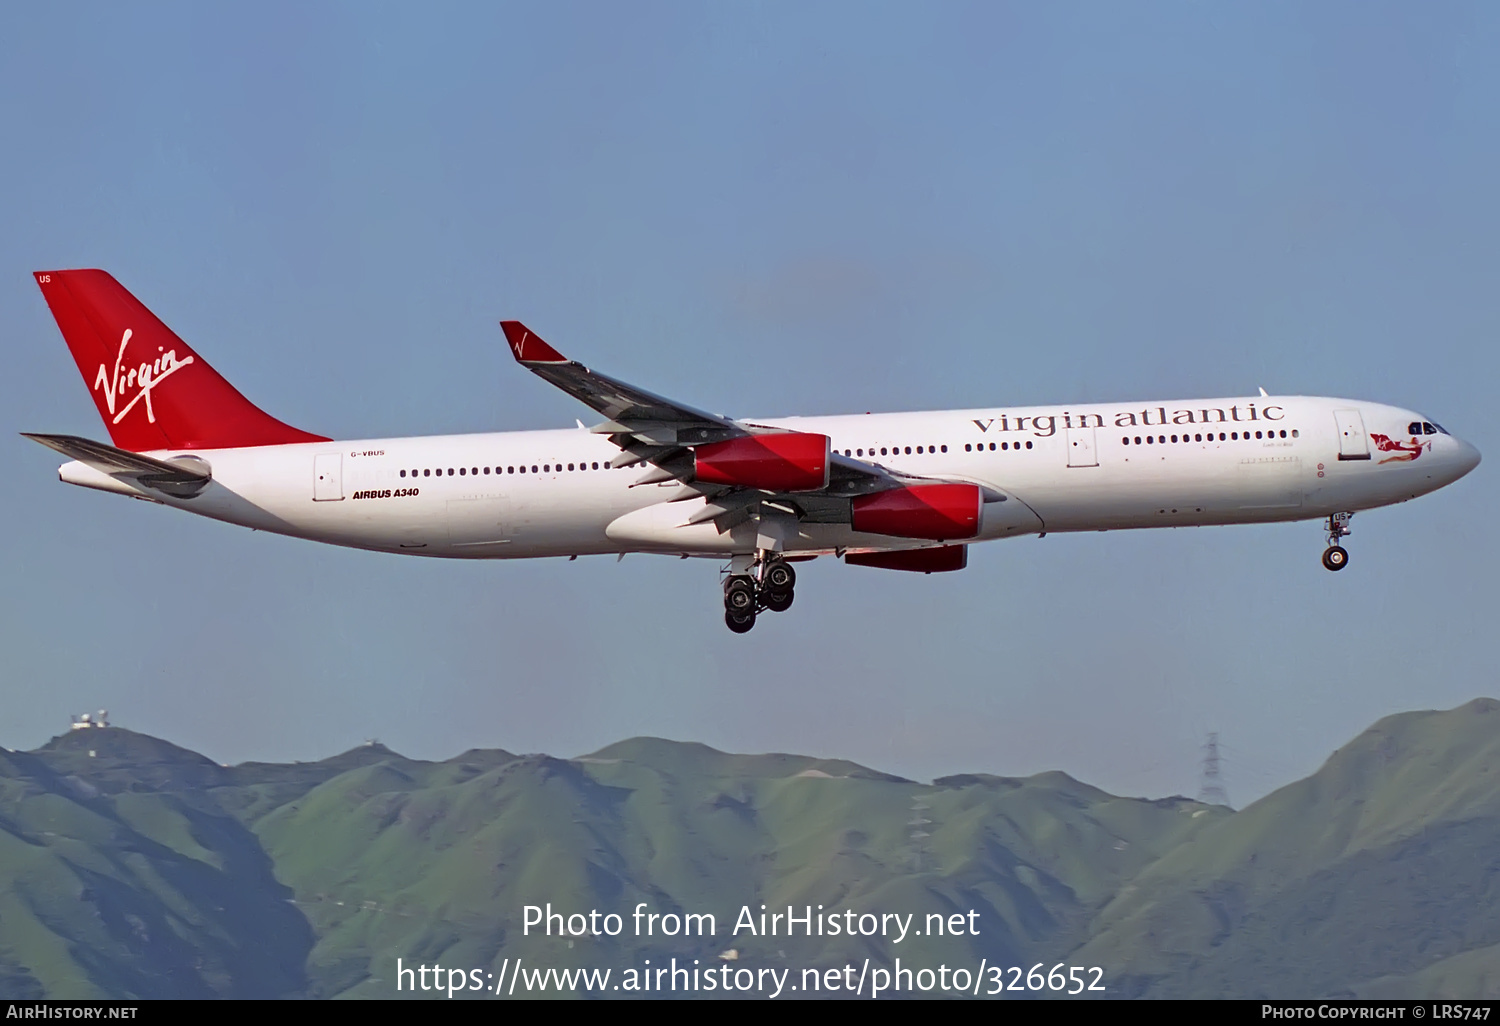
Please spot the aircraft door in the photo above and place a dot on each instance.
(328, 476)
(1354, 444)
(1081, 449)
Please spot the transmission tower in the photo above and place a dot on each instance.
(917, 828)
(1211, 786)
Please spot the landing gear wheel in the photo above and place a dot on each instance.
(1335, 558)
(778, 577)
(739, 597)
(740, 623)
(779, 601)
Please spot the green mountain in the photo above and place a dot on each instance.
(1380, 865)
(131, 867)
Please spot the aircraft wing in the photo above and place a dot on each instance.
(657, 430)
(180, 479)
(654, 430)
(630, 411)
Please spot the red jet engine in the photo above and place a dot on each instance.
(941, 512)
(791, 462)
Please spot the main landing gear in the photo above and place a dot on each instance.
(1335, 557)
(745, 595)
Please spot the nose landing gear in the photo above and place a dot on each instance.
(745, 596)
(1335, 557)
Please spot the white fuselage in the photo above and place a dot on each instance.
(1080, 468)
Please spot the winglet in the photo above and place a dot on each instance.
(527, 346)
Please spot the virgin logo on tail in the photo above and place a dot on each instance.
(143, 379)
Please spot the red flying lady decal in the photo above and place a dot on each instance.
(1402, 453)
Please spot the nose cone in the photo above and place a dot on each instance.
(1468, 458)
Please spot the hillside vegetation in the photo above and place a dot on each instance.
(130, 867)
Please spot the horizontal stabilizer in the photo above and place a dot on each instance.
(183, 478)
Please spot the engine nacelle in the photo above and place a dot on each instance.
(790, 462)
(941, 512)
(922, 561)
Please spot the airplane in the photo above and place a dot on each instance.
(900, 491)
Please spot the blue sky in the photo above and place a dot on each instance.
(762, 209)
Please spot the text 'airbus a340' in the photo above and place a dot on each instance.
(903, 491)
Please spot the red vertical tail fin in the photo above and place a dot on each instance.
(152, 390)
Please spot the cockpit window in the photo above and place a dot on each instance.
(1431, 429)
(1414, 428)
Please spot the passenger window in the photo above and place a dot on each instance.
(992, 447)
(1257, 434)
(968, 447)
(1197, 438)
(461, 471)
(596, 466)
(919, 450)
(1174, 438)
(426, 473)
(882, 451)
(1028, 445)
(908, 450)
(860, 451)
(533, 468)
(945, 448)
(1295, 433)
(570, 466)
(403, 473)
(1004, 445)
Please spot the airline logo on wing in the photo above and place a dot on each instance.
(143, 378)
(1402, 453)
(527, 347)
